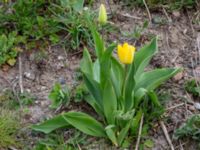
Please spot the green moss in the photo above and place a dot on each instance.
(9, 125)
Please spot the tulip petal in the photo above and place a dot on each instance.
(126, 53)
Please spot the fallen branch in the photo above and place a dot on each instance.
(140, 132)
(178, 105)
(129, 16)
(166, 134)
(20, 75)
(149, 14)
(165, 12)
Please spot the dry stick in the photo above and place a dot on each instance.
(139, 134)
(110, 7)
(79, 148)
(198, 47)
(194, 73)
(193, 32)
(145, 4)
(181, 145)
(198, 44)
(178, 105)
(20, 75)
(165, 12)
(129, 16)
(166, 134)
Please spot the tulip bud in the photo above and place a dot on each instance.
(102, 14)
(126, 53)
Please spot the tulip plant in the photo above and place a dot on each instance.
(118, 89)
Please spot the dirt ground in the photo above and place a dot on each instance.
(179, 46)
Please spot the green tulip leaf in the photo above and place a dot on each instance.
(51, 124)
(109, 102)
(111, 134)
(86, 63)
(152, 79)
(85, 123)
(143, 57)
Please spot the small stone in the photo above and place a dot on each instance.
(62, 80)
(197, 106)
(185, 31)
(28, 90)
(60, 58)
(36, 102)
(192, 108)
(43, 88)
(29, 75)
(85, 8)
(178, 76)
(60, 66)
(176, 13)
(44, 104)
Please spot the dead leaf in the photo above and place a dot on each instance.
(5, 68)
(11, 61)
(178, 76)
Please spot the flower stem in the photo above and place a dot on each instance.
(124, 80)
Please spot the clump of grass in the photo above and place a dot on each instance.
(9, 100)
(9, 125)
(191, 129)
(192, 88)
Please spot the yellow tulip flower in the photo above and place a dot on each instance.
(126, 53)
(102, 14)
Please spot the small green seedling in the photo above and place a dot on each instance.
(192, 87)
(59, 96)
(191, 129)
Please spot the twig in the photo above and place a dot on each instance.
(166, 134)
(109, 7)
(149, 14)
(178, 105)
(20, 75)
(76, 53)
(186, 109)
(193, 32)
(181, 145)
(139, 134)
(165, 12)
(129, 16)
(79, 147)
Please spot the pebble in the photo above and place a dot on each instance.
(29, 75)
(192, 108)
(178, 76)
(45, 103)
(43, 88)
(36, 102)
(176, 13)
(60, 58)
(28, 90)
(85, 8)
(197, 106)
(60, 66)
(62, 80)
